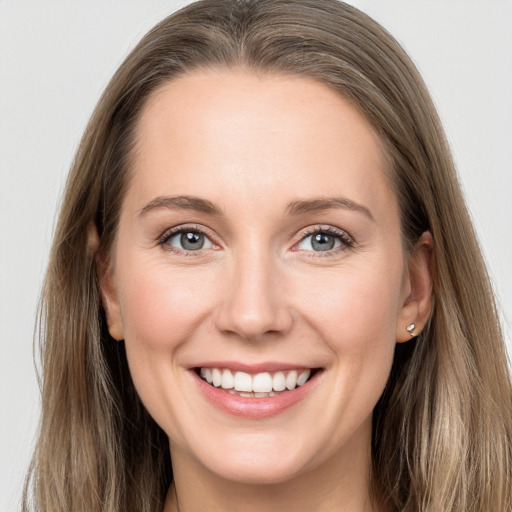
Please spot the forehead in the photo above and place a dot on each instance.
(231, 130)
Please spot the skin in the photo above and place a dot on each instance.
(258, 292)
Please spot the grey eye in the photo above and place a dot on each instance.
(322, 242)
(190, 241)
(319, 242)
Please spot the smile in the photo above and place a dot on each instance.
(257, 391)
(259, 385)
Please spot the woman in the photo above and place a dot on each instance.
(258, 296)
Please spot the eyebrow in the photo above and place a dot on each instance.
(181, 203)
(299, 207)
(327, 203)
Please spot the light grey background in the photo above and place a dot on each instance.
(57, 56)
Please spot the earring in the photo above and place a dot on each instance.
(410, 329)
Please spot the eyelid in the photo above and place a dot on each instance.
(347, 241)
(169, 233)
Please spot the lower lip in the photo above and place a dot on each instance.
(250, 407)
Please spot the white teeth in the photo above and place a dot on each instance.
(262, 383)
(251, 395)
(227, 380)
(217, 377)
(279, 382)
(206, 373)
(303, 377)
(291, 380)
(243, 382)
(258, 385)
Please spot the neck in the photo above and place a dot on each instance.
(340, 483)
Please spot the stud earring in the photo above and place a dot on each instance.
(410, 329)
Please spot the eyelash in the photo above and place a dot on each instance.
(171, 233)
(346, 241)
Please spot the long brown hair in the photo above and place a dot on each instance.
(442, 431)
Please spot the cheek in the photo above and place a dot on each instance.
(161, 305)
(356, 314)
(355, 307)
(162, 308)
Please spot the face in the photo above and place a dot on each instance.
(258, 276)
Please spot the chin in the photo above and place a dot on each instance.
(267, 472)
(261, 462)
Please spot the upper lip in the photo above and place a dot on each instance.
(236, 366)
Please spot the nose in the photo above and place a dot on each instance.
(254, 304)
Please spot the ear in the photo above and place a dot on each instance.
(417, 305)
(109, 297)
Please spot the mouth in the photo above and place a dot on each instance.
(257, 391)
(257, 385)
